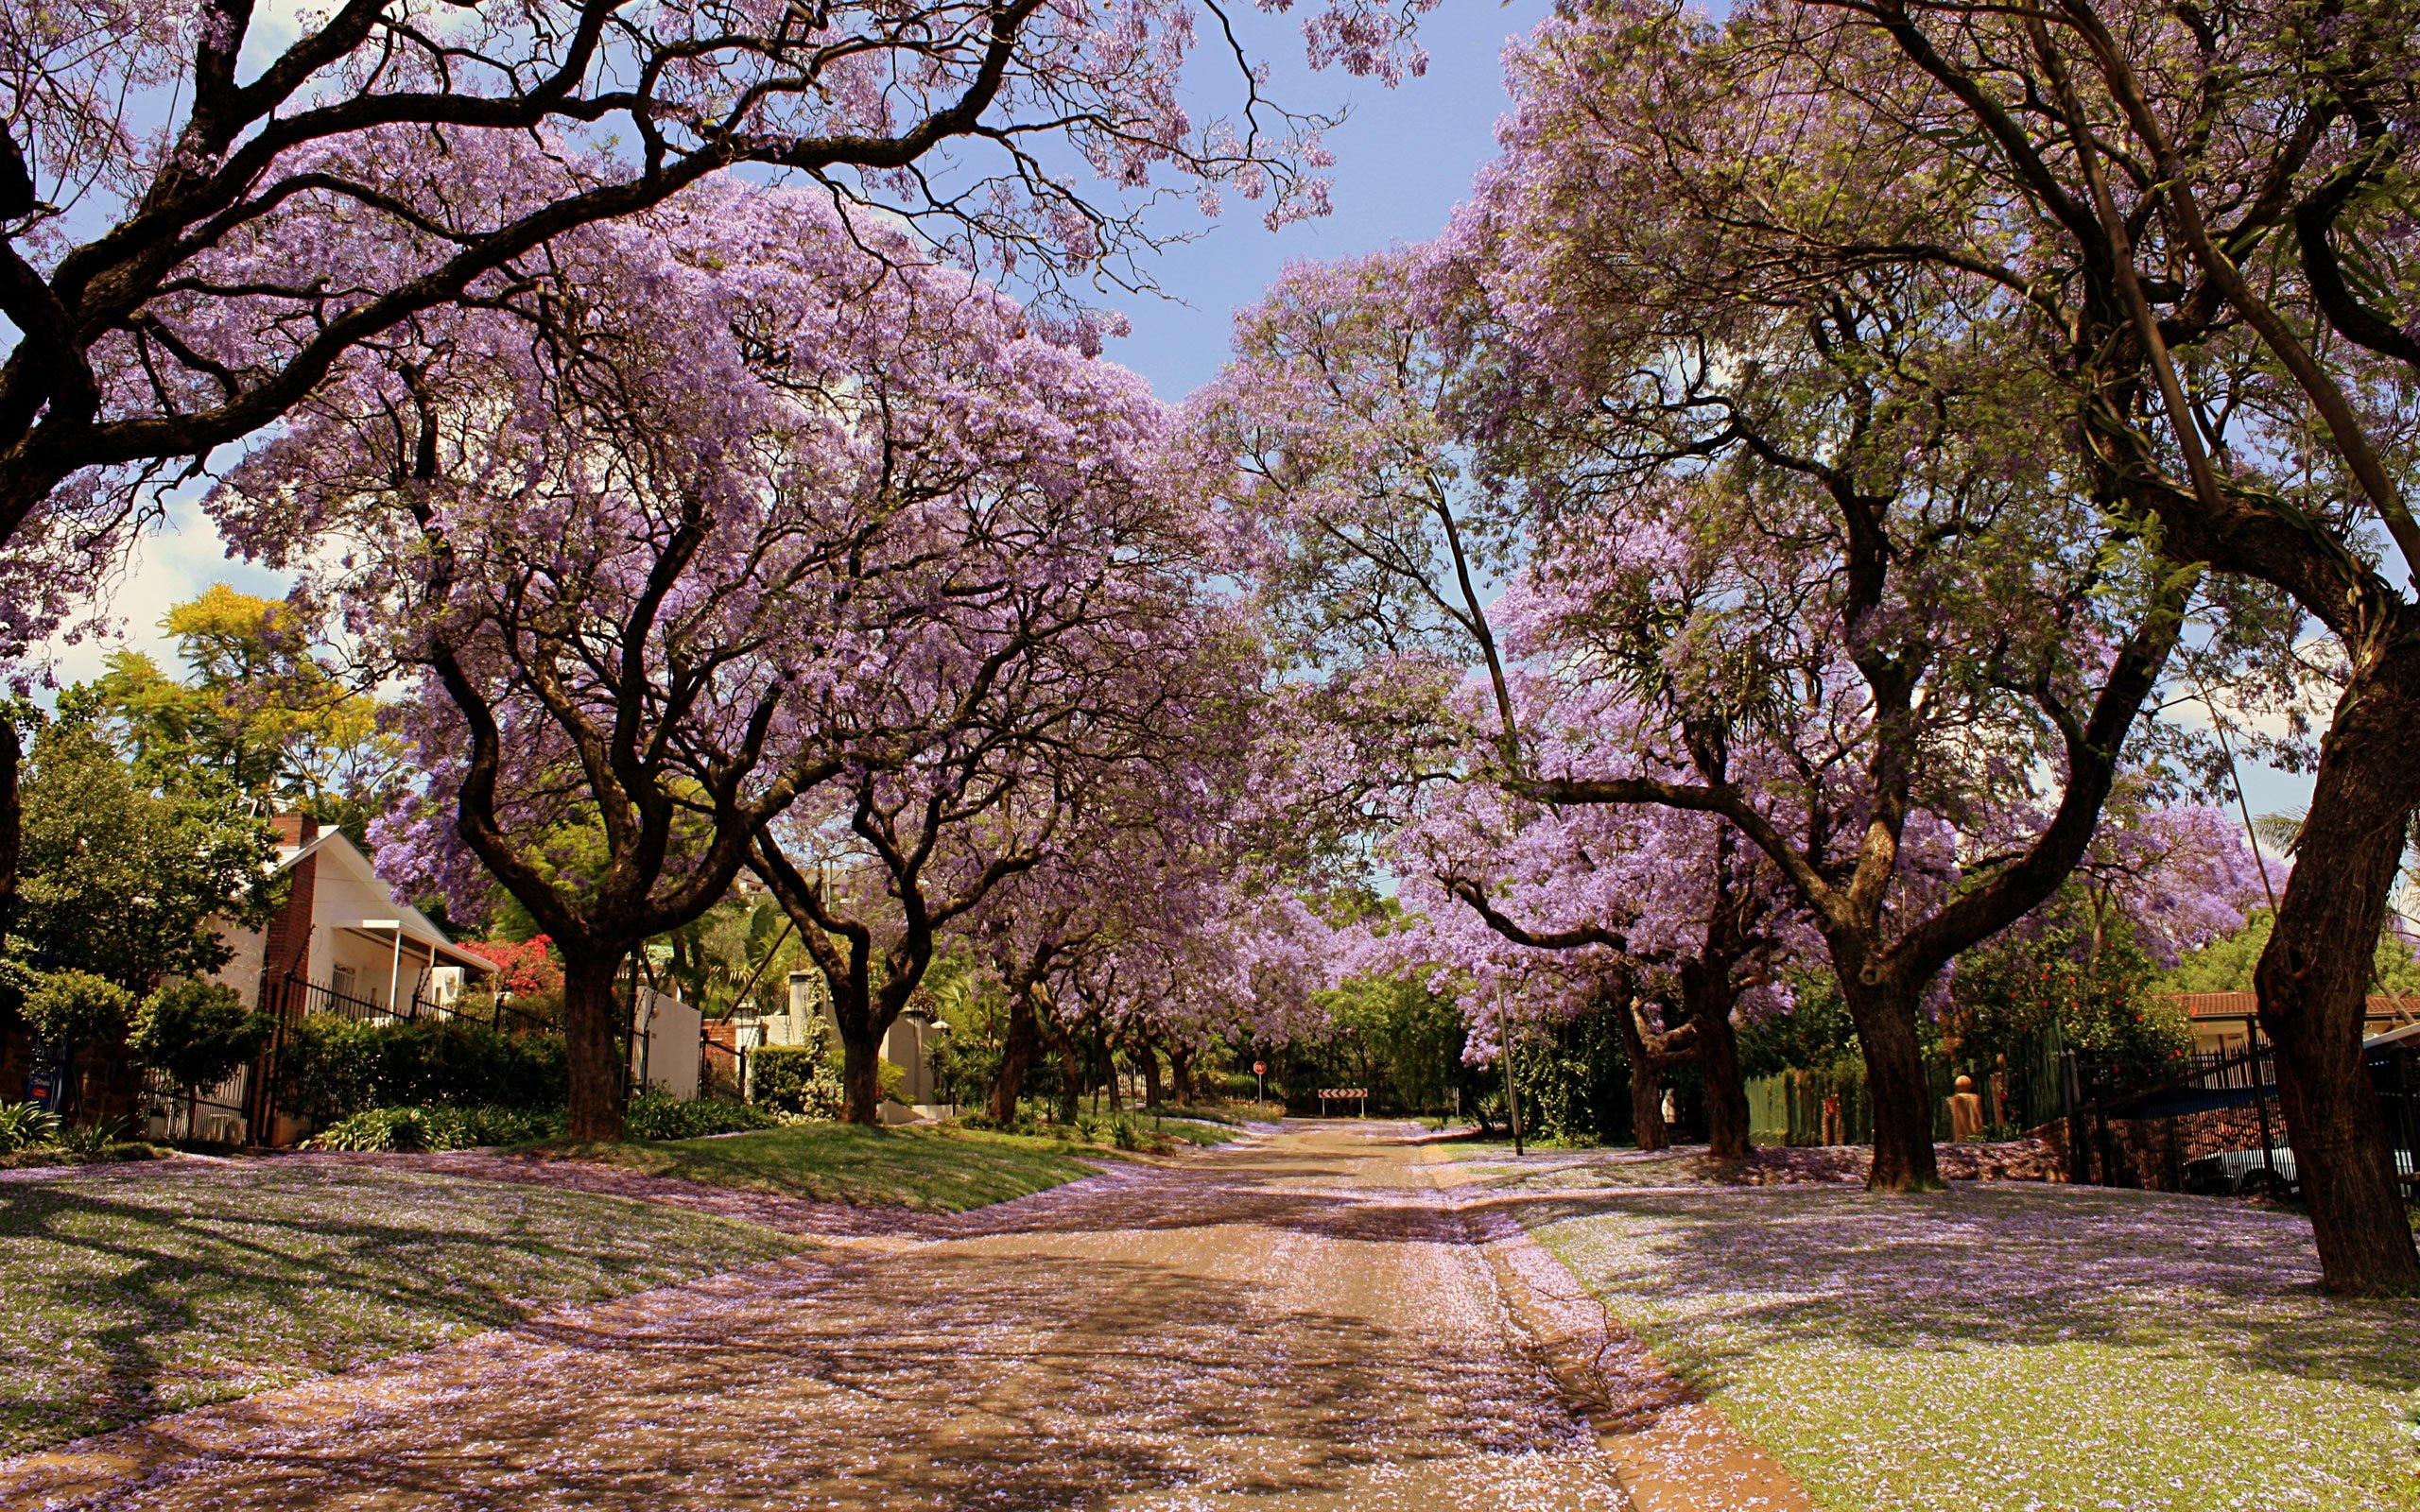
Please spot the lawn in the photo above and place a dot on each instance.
(2016, 1348)
(1195, 1130)
(932, 1170)
(125, 1292)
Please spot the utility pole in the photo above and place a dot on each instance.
(1512, 1090)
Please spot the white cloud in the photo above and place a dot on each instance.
(171, 566)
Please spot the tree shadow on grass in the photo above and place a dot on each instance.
(1990, 1265)
(128, 1298)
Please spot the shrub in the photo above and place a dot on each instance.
(380, 1130)
(97, 1141)
(74, 1007)
(196, 1033)
(26, 1127)
(795, 1079)
(656, 1115)
(332, 1068)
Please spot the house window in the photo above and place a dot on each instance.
(341, 980)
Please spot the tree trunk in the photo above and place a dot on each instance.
(860, 1077)
(1071, 1088)
(1645, 1082)
(1894, 1078)
(1181, 1074)
(592, 1011)
(1016, 1056)
(2314, 979)
(1151, 1059)
(1108, 1074)
(1718, 1051)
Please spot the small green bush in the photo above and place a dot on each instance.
(381, 1130)
(27, 1126)
(795, 1079)
(72, 1007)
(94, 1140)
(334, 1067)
(196, 1033)
(656, 1115)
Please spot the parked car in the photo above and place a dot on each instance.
(2232, 1173)
(2242, 1173)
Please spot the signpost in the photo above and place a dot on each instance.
(1341, 1094)
(1260, 1086)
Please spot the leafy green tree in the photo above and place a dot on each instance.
(258, 707)
(1394, 1033)
(126, 875)
(2225, 964)
(73, 1007)
(196, 1033)
(1815, 1035)
(2081, 973)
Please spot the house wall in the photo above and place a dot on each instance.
(908, 1044)
(665, 1055)
(806, 1018)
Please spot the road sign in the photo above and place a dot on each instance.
(1260, 1068)
(1343, 1094)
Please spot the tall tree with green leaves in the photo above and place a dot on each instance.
(126, 874)
(260, 707)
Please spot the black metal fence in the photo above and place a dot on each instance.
(290, 999)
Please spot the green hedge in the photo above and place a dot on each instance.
(332, 1068)
(656, 1115)
(438, 1128)
(794, 1079)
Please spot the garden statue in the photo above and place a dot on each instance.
(1966, 1111)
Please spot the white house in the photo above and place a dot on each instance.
(344, 941)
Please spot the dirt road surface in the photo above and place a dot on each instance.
(1312, 1320)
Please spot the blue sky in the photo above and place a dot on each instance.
(1404, 158)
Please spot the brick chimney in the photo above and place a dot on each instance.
(286, 951)
(295, 829)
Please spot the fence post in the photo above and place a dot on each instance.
(2072, 1107)
(2260, 1105)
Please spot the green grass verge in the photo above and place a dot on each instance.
(2010, 1347)
(932, 1170)
(111, 1154)
(1195, 1130)
(134, 1291)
